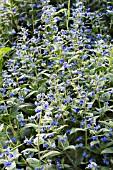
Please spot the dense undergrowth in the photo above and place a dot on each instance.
(56, 84)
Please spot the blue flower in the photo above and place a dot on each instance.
(34, 5)
(92, 94)
(97, 127)
(58, 116)
(85, 154)
(91, 160)
(62, 61)
(68, 131)
(14, 139)
(22, 124)
(62, 139)
(28, 142)
(81, 101)
(11, 155)
(79, 138)
(76, 109)
(105, 156)
(54, 122)
(94, 137)
(45, 146)
(73, 119)
(104, 139)
(53, 145)
(92, 165)
(30, 155)
(45, 105)
(32, 118)
(7, 163)
(21, 99)
(88, 46)
(79, 145)
(106, 162)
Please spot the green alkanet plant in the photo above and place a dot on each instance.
(56, 87)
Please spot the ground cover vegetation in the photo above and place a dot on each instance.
(56, 85)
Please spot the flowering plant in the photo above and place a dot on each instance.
(56, 91)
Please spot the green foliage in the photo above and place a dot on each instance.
(56, 87)
(2, 52)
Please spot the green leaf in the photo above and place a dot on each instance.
(4, 50)
(42, 89)
(74, 130)
(62, 127)
(109, 144)
(41, 140)
(31, 93)
(30, 105)
(110, 12)
(1, 127)
(31, 125)
(2, 161)
(71, 147)
(62, 10)
(33, 162)
(104, 168)
(28, 108)
(50, 167)
(95, 150)
(50, 154)
(107, 150)
(110, 76)
(94, 142)
(30, 150)
(105, 123)
(73, 58)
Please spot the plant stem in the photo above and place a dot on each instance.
(38, 147)
(32, 18)
(85, 127)
(38, 142)
(69, 158)
(68, 14)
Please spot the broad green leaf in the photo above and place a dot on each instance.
(62, 127)
(1, 127)
(50, 167)
(33, 162)
(4, 50)
(95, 150)
(74, 130)
(51, 154)
(105, 123)
(41, 140)
(28, 108)
(31, 125)
(94, 142)
(30, 150)
(107, 150)
(71, 147)
(42, 89)
(30, 105)
(105, 168)
(31, 93)
(2, 161)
